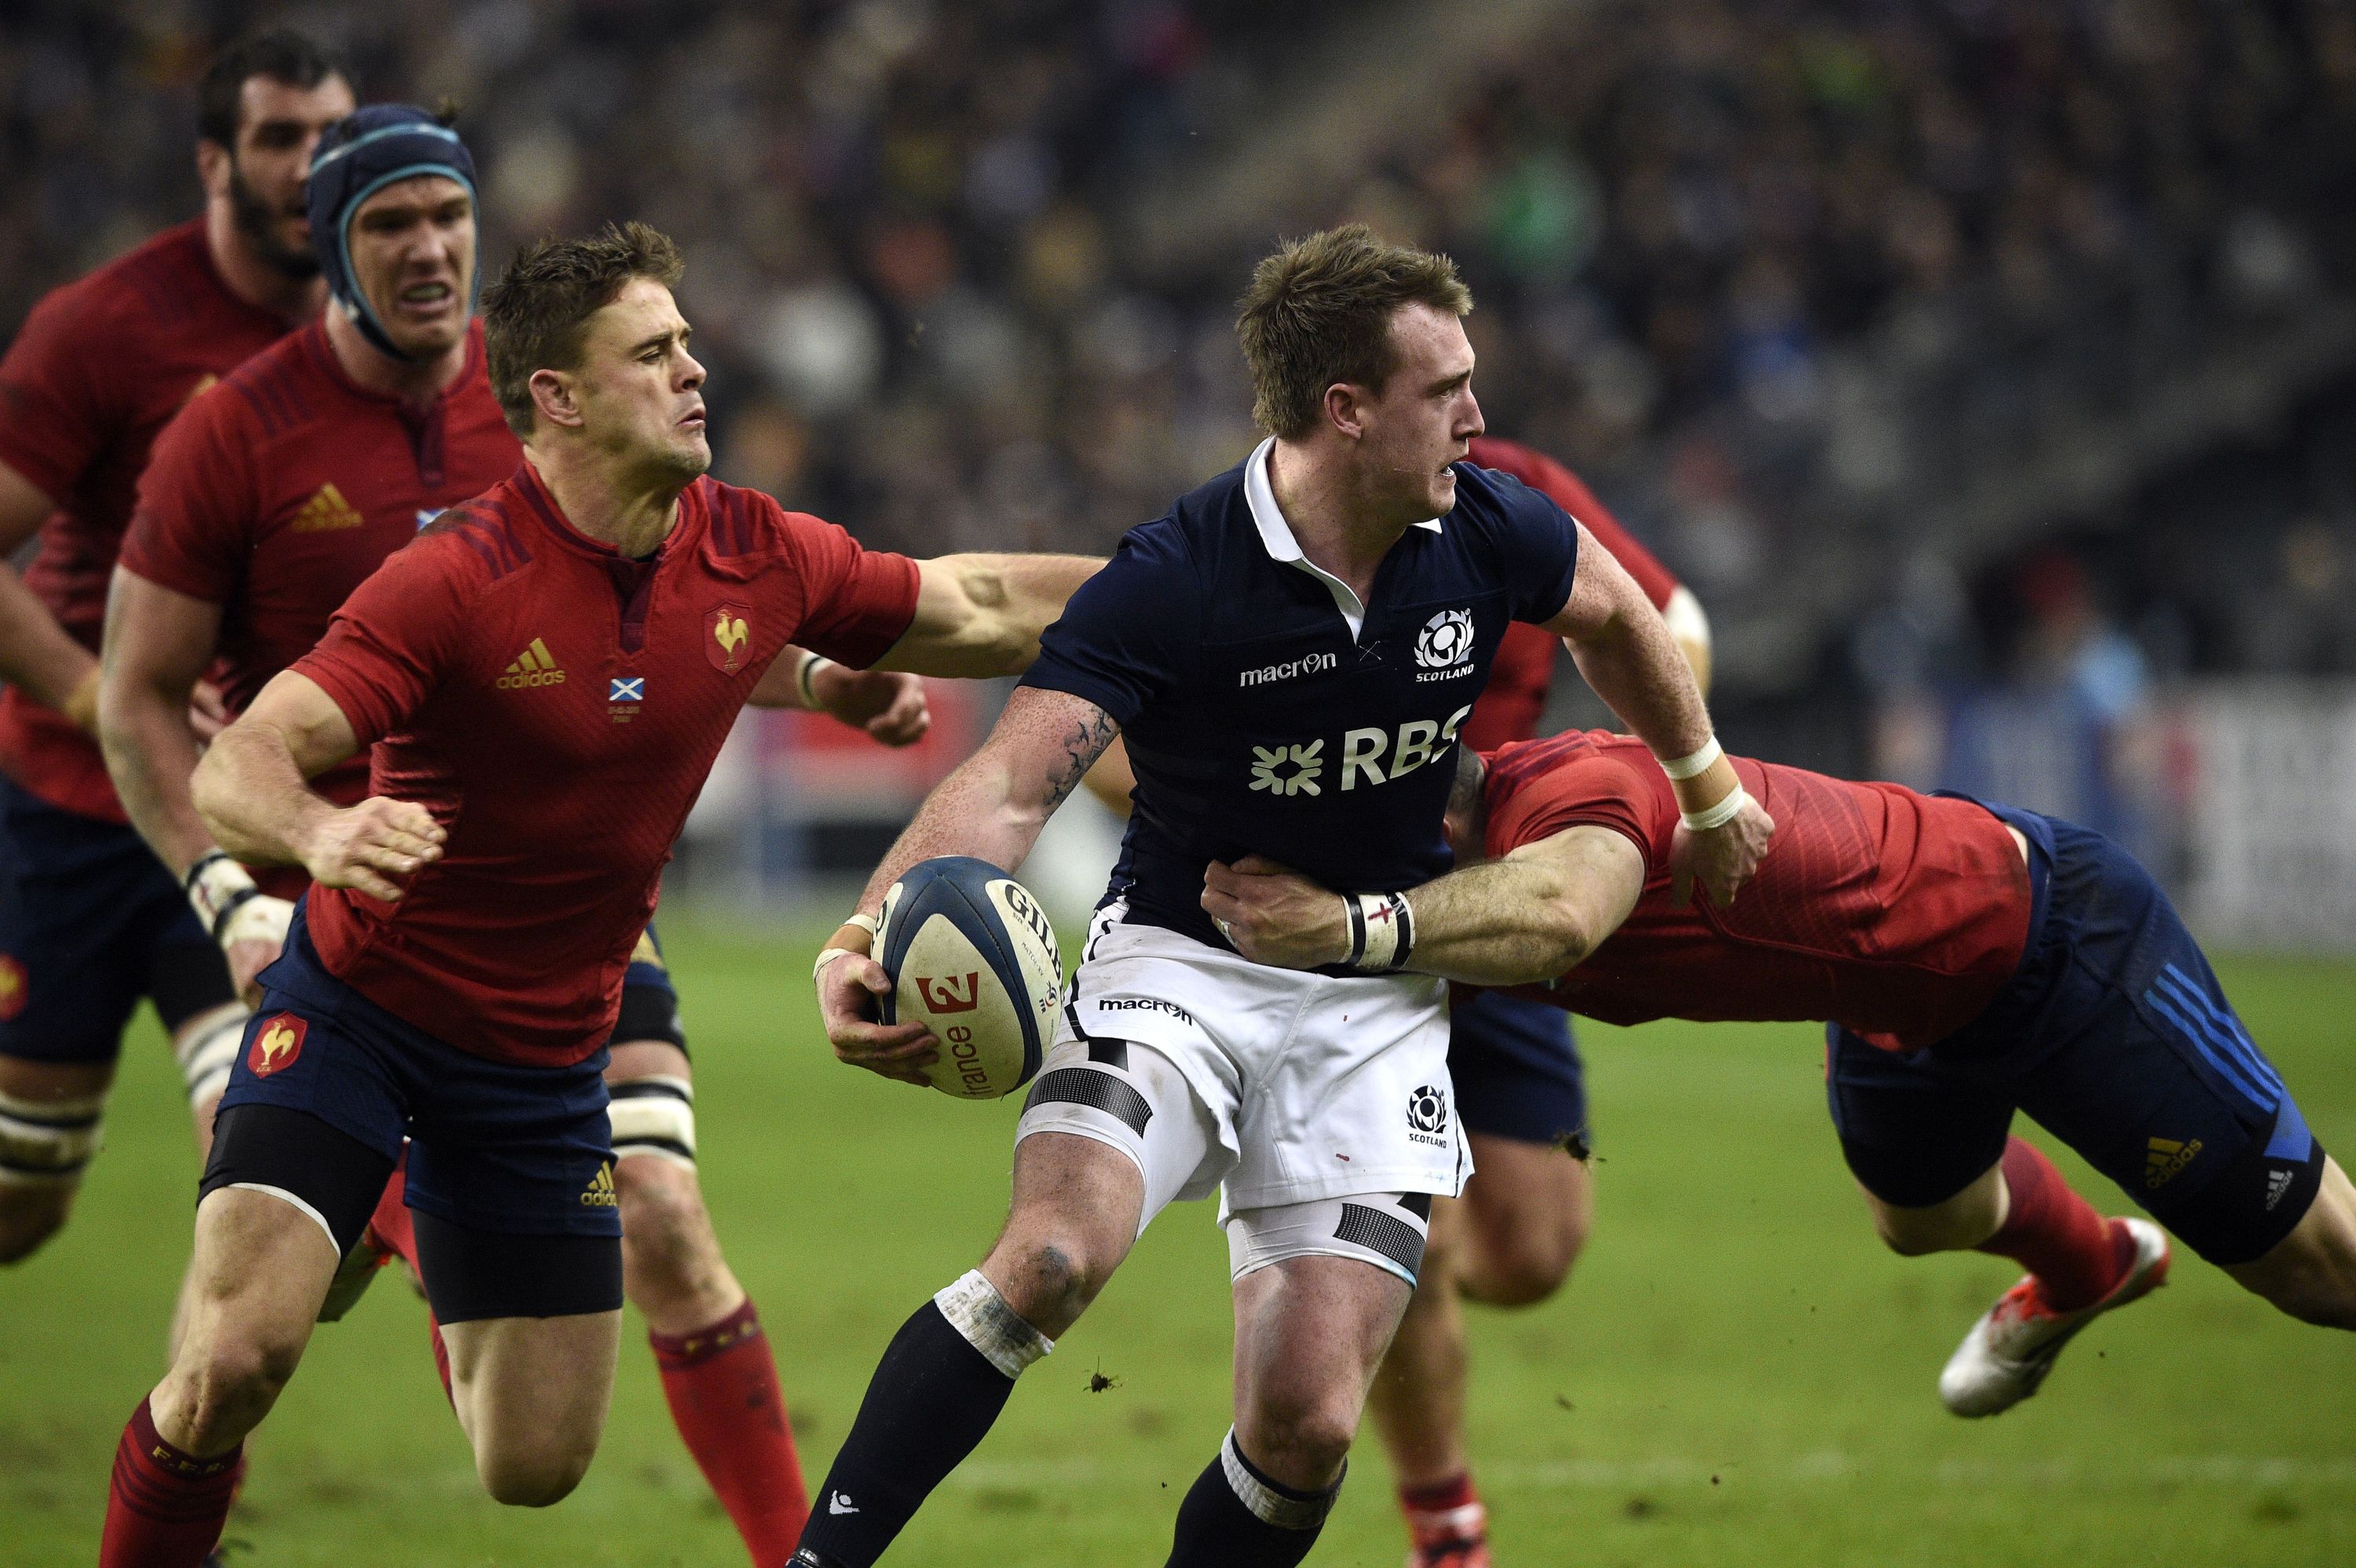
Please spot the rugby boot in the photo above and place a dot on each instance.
(1449, 1538)
(2014, 1345)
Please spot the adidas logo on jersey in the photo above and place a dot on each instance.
(599, 1193)
(2163, 1157)
(534, 666)
(326, 512)
(2277, 1183)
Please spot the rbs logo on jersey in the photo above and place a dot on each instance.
(1371, 756)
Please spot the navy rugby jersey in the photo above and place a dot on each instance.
(1268, 712)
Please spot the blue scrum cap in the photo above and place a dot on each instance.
(359, 157)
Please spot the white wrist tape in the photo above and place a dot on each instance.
(217, 888)
(258, 919)
(1729, 807)
(1693, 764)
(867, 923)
(1382, 931)
(807, 677)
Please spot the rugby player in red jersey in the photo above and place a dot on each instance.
(1510, 1239)
(1972, 961)
(264, 507)
(456, 969)
(89, 923)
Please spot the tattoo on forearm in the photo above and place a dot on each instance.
(1082, 747)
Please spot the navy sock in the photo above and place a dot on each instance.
(933, 1398)
(1235, 1516)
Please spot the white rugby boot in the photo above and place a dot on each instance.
(2009, 1351)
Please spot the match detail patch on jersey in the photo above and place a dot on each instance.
(534, 666)
(326, 512)
(727, 635)
(277, 1045)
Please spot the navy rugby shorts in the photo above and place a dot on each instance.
(89, 923)
(495, 1146)
(2115, 1036)
(1516, 1070)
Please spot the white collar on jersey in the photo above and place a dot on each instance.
(1276, 534)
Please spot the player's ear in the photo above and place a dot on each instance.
(554, 394)
(214, 166)
(1346, 409)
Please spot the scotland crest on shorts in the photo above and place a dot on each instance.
(1427, 1108)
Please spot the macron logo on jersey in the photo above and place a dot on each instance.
(534, 666)
(1308, 664)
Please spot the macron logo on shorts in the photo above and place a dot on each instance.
(276, 1044)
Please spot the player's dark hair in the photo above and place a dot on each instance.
(281, 54)
(1318, 312)
(535, 317)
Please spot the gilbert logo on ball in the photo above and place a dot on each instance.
(971, 957)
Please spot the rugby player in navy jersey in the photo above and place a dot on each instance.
(1290, 652)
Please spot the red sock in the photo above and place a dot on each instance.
(165, 1506)
(722, 1384)
(1441, 1496)
(390, 1220)
(2075, 1253)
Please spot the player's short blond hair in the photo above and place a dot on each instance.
(536, 317)
(1318, 312)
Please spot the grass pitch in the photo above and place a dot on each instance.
(1737, 1374)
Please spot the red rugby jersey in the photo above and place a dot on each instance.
(556, 706)
(100, 367)
(275, 496)
(1897, 914)
(1510, 704)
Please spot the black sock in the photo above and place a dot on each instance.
(1235, 1517)
(933, 1398)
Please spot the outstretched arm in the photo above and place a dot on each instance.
(992, 807)
(982, 615)
(250, 791)
(1625, 651)
(1535, 914)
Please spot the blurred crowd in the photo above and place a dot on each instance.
(1745, 263)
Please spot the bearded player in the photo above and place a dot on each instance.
(1290, 652)
(1509, 1239)
(263, 509)
(1974, 960)
(456, 969)
(89, 923)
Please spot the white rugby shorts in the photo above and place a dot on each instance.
(1270, 1086)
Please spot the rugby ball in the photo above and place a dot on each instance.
(973, 958)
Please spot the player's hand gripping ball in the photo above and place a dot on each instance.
(973, 958)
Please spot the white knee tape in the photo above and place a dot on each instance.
(653, 1114)
(46, 1143)
(1282, 1507)
(976, 1310)
(1384, 1229)
(207, 1050)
